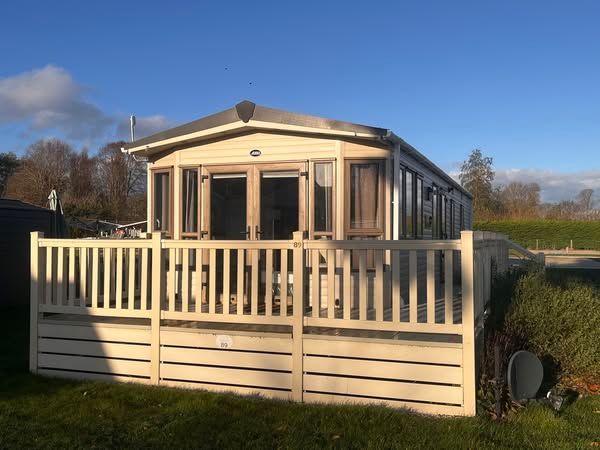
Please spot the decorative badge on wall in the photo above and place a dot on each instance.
(255, 152)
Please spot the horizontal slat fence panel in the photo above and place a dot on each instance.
(92, 364)
(423, 408)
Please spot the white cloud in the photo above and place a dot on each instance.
(49, 99)
(554, 185)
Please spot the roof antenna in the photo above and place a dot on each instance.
(132, 127)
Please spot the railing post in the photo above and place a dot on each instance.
(34, 298)
(298, 319)
(156, 296)
(468, 322)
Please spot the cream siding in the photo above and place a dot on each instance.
(280, 146)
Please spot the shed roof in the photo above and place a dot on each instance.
(10, 203)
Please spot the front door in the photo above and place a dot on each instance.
(261, 201)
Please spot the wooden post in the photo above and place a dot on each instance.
(34, 297)
(157, 296)
(298, 322)
(468, 322)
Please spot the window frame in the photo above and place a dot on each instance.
(402, 207)
(156, 171)
(317, 234)
(375, 233)
(418, 213)
(191, 234)
(413, 199)
(452, 221)
(435, 212)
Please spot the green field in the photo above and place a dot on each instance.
(38, 412)
(547, 234)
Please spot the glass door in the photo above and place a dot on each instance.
(228, 199)
(279, 200)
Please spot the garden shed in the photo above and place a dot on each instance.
(17, 220)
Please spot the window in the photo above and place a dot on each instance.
(364, 197)
(189, 202)
(412, 205)
(419, 209)
(443, 217)
(435, 212)
(452, 234)
(400, 200)
(364, 200)
(462, 217)
(162, 199)
(323, 199)
(409, 203)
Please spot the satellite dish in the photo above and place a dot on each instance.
(525, 374)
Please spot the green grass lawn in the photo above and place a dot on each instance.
(50, 413)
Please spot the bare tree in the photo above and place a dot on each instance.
(585, 199)
(9, 163)
(45, 166)
(520, 200)
(83, 197)
(120, 177)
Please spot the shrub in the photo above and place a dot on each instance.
(559, 321)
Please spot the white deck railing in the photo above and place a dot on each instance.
(416, 286)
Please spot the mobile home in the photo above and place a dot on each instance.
(292, 256)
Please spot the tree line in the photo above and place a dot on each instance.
(109, 185)
(517, 200)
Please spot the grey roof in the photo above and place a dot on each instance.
(247, 110)
(11, 203)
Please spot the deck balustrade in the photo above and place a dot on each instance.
(305, 289)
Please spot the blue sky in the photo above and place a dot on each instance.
(521, 80)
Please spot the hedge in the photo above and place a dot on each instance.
(560, 321)
(547, 234)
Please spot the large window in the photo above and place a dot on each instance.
(409, 203)
(411, 208)
(443, 217)
(189, 202)
(162, 197)
(452, 222)
(400, 200)
(419, 208)
(435, 212)
(364, 198)
(323, 200)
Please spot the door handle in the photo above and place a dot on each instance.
(257, 231)
(247, 232)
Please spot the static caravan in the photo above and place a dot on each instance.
(291, 256)
(256, 173)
